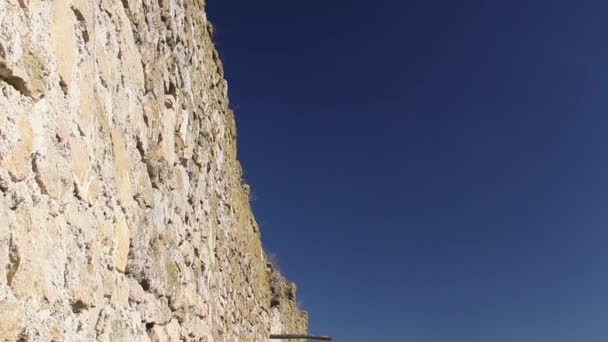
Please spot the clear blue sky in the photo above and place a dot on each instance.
(429, 171)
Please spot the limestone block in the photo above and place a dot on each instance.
(17, 162)
(63, 39)
(82, 295)
(131, 60)
(116, 288)
(120, 296)
(143, 190)
(182, 180)
(107, 63)
(121, 233)
(79, 217)
(84, 287)
(7, 261)
(23, 70)
(197, 329)
(12, 321)
(52, 173)
(168, 136)
(136, 291)
(184, 141)
(85, 11)
(122, 170)
(35, 260)
(173, 329)
(154, 310)
(81, 167)
(89, 106)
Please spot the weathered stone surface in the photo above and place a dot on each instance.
(50, 171)
(83, 174)
(17, 161)
(35, 257)
(5, 245)
(64, 39)
(12, 323)
(169, 332)
(155, 310)
(122, 243)
(22, 64)
(122, 169)
(123, 213)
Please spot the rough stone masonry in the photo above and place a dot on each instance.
(123, 213)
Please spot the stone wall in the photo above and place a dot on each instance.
(123, 213)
